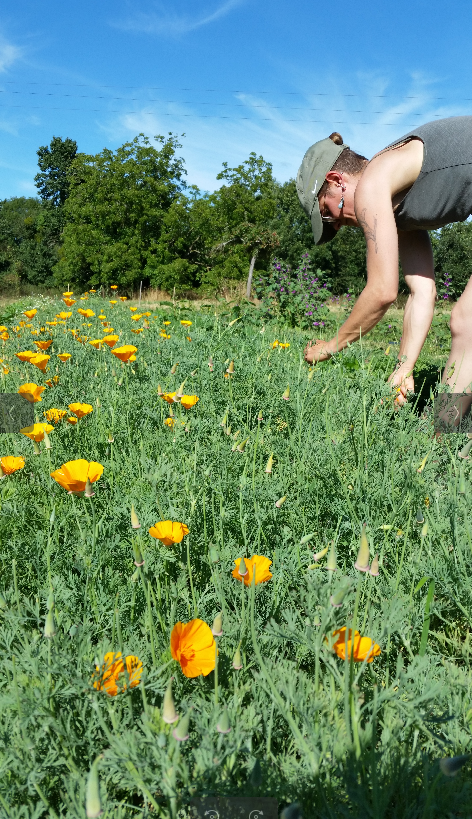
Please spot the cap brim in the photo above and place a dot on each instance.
(322, 231)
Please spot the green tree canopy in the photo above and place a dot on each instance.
(54, 163)
(115, 211)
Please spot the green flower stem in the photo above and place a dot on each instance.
(189, 566)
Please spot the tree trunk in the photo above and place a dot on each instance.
(249, 278)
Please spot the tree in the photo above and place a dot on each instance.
(28, 248)
(54, 163)
(115, 211)
(452, 249)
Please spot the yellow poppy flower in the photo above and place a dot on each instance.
(124, 353)
(163, 334)
(169, 422)
(123, 298)
(257, 565)
(80, 409)
(4, 336)
(54, 415)
(166, 323)
(169, 396)
(74, 474)
(186, 323)
(29, 313)
(110, 341)
(40, 361)
(133, 309)
(72, 420)
(193, 646)
(113, 303)
(25, 355)
(101, 317)
(36, 432)
(169, 531)
(69, 302)
(68, 293)
(97, 343)
(112, 677)
(52, 382)
(31, 392)
(363, 648)
(64, 356)
(11, 464)
(188, 401)
(113, 287)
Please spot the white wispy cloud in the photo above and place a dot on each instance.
(9, 54)
(164, 22)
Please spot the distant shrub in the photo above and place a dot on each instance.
(301, 296)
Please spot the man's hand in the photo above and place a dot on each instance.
(403, 380)
(317, 351)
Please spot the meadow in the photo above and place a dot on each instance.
(316, 540)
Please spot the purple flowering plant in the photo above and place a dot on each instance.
(300, 296)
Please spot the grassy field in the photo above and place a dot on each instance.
(309, 468)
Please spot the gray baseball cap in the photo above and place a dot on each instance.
(317, 162)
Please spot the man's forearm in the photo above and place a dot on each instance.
(366, 313)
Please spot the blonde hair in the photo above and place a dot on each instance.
(347, 162)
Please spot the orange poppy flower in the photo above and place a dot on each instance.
(63, 315)
(189, 401)
(73, 475)
(43, 345)
(113, 302)
(193, 646)
(132, 358)
(80, 409)
(54, 415)
(68, 293)
(72, 420)
(40, 361)
(124, 353)
(36, 432)
(113, 287)
(4, 329)
(169, 396)
(364, 647)
(64, 356)
(97, 343)
(81, 311)
(123, 298)
(5, 369)
(69, 302)
(110, 341)
(10, 464)
(163, 334)
(137, 330)
(31, 392)
(25, 355)
(101, 317)
(52, 382)
(4, 336)
(169, 531)
(257, 565)
(169, 422)
(112, 677)
(186, 323)
(133, 309)
(136, 317)
(29, 313)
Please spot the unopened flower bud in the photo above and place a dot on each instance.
(337, 598)
(47, 440)
(169, 714)
(98, 402)
(110, 438)
(306, 538)
(270, 463)
(138, 558)
(88, 489)
(230, 369)
(331, 562)
(280, 501)
(37, 450)
(49, 630)
(134, 519)
(214, 557)
(180, 732)
(260, 417)
(217, 627)
(237, 662)
(363, 555)
(462, 482)
(319, 555)
(464, 453)
(223, 725)
(93, 808)
(241, 447)
(210, 364)
(174, 368)
(242, 569)
(286, 395)
(224, 420)
(374, 567)
(159, 390)
(424, 530)
(419, 516)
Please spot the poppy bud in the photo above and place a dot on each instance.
(228, 430)
(306, 538)
(363, 555)
(110, 438)
(47, 441)
(214, 557)
(159, 390)
(113, 373)
(230, 369)
(169, 714)
(217, 627)
(174, 368)
(424, 530)
(134, 519)
(49, 630)
(37, 450)
(138, 558)
(241, 447)
(331, 562)
(269, 465)
(286, 395)
(450, 766)
(237, 662)
(280, 501)
(88, 489)
(419, 516)
(242, 568)
(180, 733)
(93, 807)
(210, 364)
(462, 482)
(223, 725)
(464, 453)
(260, 417)
(374, 567)
(2, 473)
(319, 555)
(224, 420)
(337, 598)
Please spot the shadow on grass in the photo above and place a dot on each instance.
(426, 380)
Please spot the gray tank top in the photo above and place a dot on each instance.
(442, 192)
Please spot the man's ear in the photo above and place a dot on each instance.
(334, 176)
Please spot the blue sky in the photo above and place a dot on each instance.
(234, 75)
